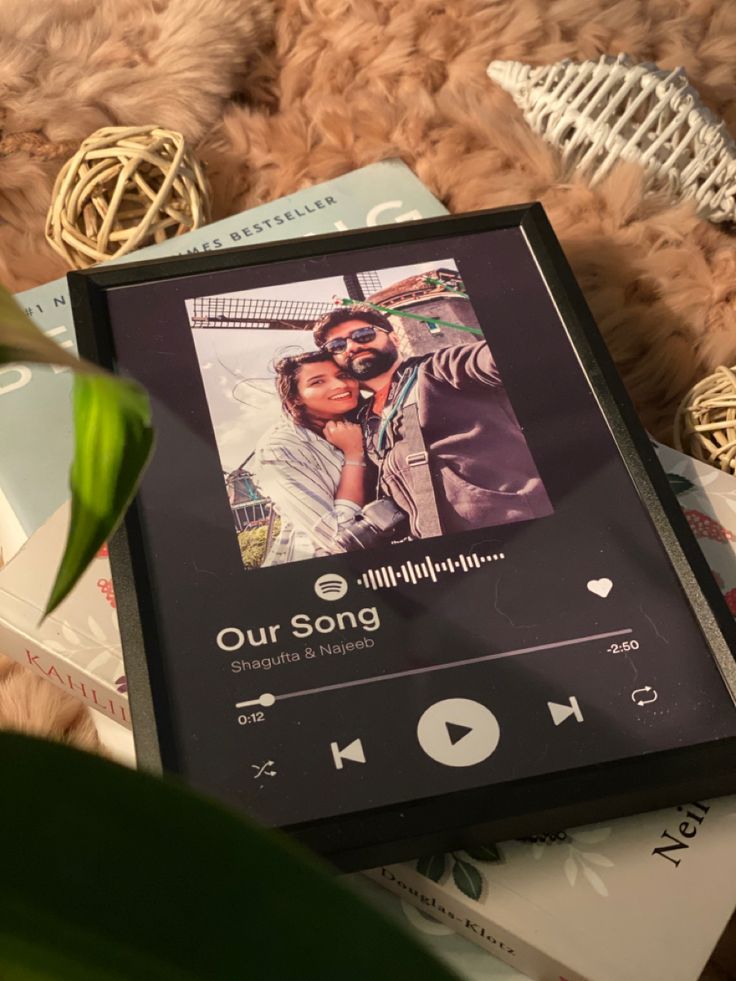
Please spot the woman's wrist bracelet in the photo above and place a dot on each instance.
(355, 463)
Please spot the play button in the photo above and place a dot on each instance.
(458, 732)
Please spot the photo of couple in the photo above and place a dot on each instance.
(365, 410)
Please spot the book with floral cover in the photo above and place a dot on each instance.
(76, 648)
(572, 906)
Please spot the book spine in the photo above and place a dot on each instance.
(70, 677)
(431, 898)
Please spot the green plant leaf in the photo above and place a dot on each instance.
(113, 441)
(467, 878)
(113, 437)
(21, 340)
(110, 874)
(679, 484)
(484, 853)
(432, 866)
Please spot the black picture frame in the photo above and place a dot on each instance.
(555, 801)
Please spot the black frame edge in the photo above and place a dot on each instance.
(593, 794)
(130, 576)
(634, 445)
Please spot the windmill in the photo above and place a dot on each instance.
(274, 314)
(259, 314)
(429, 311)
(249, 506)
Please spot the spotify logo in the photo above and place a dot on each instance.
(331, 587)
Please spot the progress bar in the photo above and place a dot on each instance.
(439, 667)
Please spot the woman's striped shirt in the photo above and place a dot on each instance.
(300, 472)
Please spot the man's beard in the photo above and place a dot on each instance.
(372, 366)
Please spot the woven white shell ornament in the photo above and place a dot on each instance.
(599, 112)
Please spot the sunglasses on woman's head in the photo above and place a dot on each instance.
(361, 335)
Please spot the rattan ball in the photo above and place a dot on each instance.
(125, 187)
(705, 424)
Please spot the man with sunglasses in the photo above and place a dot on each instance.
(438, 426)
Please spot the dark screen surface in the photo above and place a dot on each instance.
(462, 661)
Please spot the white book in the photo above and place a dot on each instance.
(643, 898)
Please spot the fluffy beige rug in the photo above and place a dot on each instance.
(31, 704)
(349, 82)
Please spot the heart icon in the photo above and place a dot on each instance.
(601, 587)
